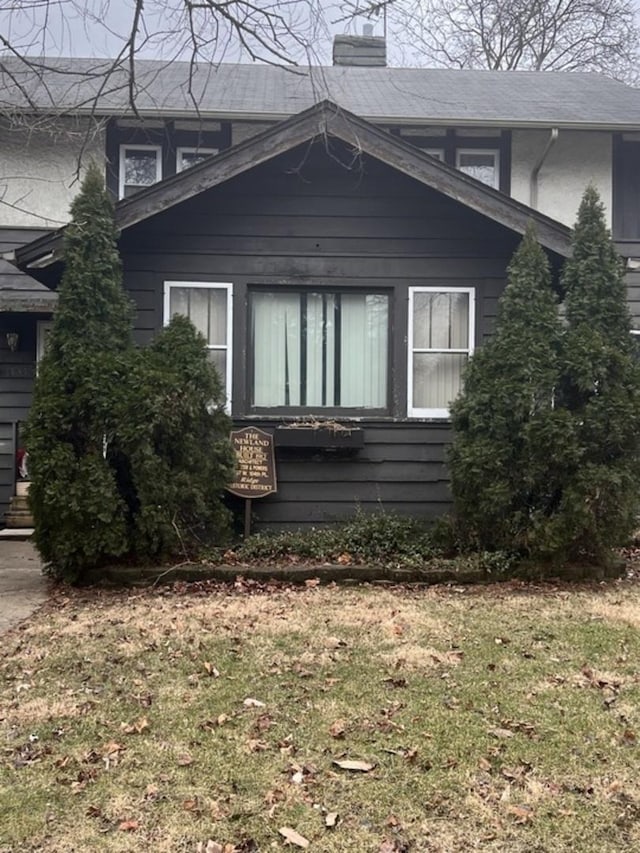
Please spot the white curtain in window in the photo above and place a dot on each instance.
(297, 339)
(365, 320)
(321, 348)
(440, 324)
(276, 349)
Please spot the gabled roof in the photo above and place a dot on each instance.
(390, 95)
(325, 120)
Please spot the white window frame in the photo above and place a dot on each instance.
(412, 411)
(180, 167)
(43, 331)
(121, 174)
(436, 153)
(496, 160)
(210, 285)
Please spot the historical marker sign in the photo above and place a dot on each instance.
(256, 464)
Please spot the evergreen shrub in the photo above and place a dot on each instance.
(512, 442)
(545, 460)
(600, 390)
(128, 449)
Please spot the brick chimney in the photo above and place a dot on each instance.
(364, 50)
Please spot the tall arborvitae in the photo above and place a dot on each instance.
(175, 442)
(511, 442)
(79, 515)
(601, 390)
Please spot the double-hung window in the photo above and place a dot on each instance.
(482, 164)
(208, 305)
(140, 167)
(319, 350)
(186, 157)
(441, 339)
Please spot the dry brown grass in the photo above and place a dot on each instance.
(497, 719)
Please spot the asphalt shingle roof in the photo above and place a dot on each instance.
(409, 95)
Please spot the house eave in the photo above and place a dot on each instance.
(444, 121)
(324, 121)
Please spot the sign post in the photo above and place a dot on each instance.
(255, 468)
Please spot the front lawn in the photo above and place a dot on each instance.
(214, 718)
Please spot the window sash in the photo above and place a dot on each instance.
(209, 306)
(438, 351)
(476, 170)
(319, 350)
(183, 154)
(123, 184)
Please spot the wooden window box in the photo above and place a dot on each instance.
(319, 437)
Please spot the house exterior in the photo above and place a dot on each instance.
(340, 235)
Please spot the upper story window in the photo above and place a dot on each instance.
(209, 307)
(326, 349)
(140, 167)
(436, 153)
(481, 164)
(186, 157)
(441, 339)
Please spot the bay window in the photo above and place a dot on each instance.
(441, 339)
(319, 350)
(208, 306)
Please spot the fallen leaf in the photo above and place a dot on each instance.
(210, 847)
(136, 728)
(128, 826)
(311, 583)
(253, 703)
(184, 760)
(330, 819)
(211, 670)
(337, 729)
(501, 734)
(293, 837)
(358, 766)
(522, 814)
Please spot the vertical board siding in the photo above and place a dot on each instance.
(318, 219)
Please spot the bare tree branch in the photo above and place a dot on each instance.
(539, 35)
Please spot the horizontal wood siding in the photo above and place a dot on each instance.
(17, 375)
(633, 297)
(400, 469)
(7, 467)
(312, 218)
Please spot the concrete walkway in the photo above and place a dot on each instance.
(23, 587)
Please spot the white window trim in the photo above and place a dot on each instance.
(190, 150)
(211, 285)
(496, 160)
(412, 411)
(43, 330)
(123, 149)
(436, 153)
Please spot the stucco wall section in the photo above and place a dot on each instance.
(577, 159)
(38, 169)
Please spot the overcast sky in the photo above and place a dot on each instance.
(100, 28)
